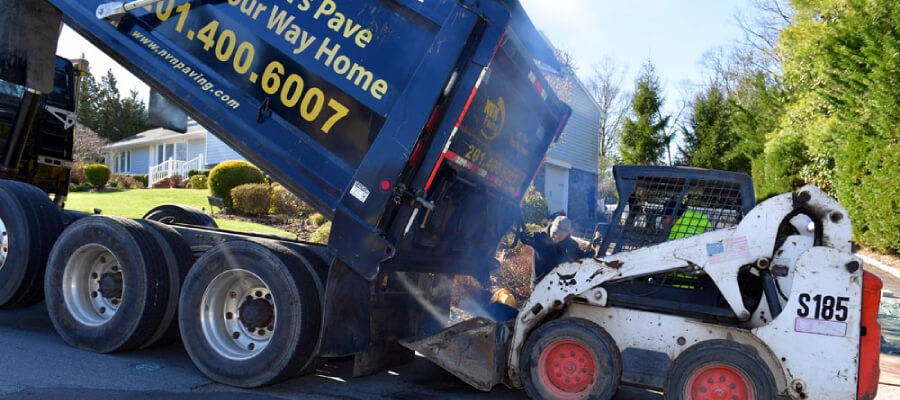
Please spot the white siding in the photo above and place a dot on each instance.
(217, 151)
(579, 141)
(196, 147)
(140, 160)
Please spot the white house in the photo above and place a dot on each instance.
(161, 153)
(568, 179)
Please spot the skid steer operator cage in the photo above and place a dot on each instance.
(657, 204)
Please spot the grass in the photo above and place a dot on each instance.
(136, 202)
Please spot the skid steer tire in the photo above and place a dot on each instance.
(250, 314)
(719, 368)
(173, 213)
(107, 284)
(29, 225)
(178, 261)
(571, 358)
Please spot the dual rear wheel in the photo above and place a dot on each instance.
(259, 307)
(248, 312)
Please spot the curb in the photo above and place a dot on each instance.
(880, 265)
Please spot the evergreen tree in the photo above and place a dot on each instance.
(644, 139)
(102, 108)
(708, 139)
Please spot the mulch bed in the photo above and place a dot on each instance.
(298, 227)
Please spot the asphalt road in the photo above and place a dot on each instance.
(36, 364)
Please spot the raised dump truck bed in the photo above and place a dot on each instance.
(369, 110)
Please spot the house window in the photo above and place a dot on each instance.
(124, 164)
(171, 151)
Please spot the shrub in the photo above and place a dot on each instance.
(143, 179)
(321, 234)
(194, 172)
(77, 174)
(231, 174)
(785, 156)
(534, 206)
(199, 182)
(252, 198)
(174, 181)
(164, 183)
(284, 202)
(80, 187)
(126, 182)
(317, 219)
(97, 175)
(112, 183)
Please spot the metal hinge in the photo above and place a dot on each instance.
(116, 9)
(65, 116)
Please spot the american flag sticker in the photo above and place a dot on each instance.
(727, 249)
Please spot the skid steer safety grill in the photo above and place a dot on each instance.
(655, 208)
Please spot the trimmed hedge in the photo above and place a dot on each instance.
(97, 175)
(142, 178)
(252, 198)
(199, 182)
(231, 174)
(285, 203)
(317, 219)
(321, 234)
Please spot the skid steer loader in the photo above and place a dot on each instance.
(695, 291)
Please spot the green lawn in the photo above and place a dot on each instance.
(135, 203)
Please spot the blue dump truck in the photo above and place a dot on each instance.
(415, 126)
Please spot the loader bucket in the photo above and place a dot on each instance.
(474, 350)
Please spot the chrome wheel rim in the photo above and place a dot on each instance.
(4, 243)
(238, 314)
(93, 284)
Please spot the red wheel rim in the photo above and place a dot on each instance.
(719, 382)
(567, 368)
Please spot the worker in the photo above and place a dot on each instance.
(553, 247)
(687, 222)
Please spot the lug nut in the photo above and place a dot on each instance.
(229, 315)
(236, 335)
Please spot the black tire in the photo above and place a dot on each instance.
(295, 321)
(173, 213)
(143, 286)
(178, 261)
(735, 370)
(586, 353)
(32, 224)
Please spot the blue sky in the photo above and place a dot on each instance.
(674, 35)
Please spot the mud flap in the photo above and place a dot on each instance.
(474, 350)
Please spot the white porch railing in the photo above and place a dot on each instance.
(170, 167)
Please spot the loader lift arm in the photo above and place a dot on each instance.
(720, 254)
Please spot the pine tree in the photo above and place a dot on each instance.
(644, 139)
(708, 139)
(102, 108)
